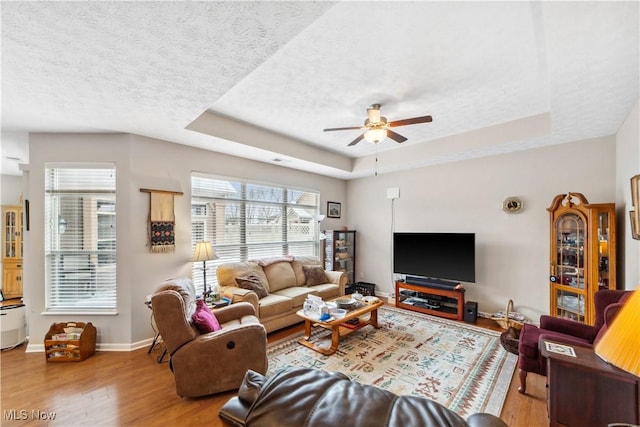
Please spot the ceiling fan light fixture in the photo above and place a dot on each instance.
(377, 128)
(375, 135)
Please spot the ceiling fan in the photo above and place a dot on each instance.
(376, 128)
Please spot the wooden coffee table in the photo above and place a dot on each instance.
(334, 325)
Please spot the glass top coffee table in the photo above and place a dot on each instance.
(335, 324)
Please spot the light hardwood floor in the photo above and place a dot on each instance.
(131, 389)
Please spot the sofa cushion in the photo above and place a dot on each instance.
(254, 283)
(298, 294)
(297, 267)
(274, 305)
(280, 275)
(314, 275)
(228, 272)
(263, 262)
(204, 319)
(326, 290)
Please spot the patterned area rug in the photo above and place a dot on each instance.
(461, 366)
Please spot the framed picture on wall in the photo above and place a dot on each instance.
(333, 209)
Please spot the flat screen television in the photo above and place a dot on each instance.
(449, 256)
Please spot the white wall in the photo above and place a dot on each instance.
(627, 165)
(141, 163)
(10, 189)
(512, 255)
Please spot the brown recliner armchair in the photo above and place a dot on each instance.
(565, 331)
(214, 362)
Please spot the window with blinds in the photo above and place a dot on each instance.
(246, 220)
(80, 238)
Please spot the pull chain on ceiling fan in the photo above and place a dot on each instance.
(376, 128)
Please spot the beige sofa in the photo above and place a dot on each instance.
(286, 285)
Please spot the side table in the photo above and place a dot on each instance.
(218, 304)
(157, 339)
(587, 391)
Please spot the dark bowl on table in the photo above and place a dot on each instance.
(346, 303)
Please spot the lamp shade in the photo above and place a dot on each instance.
(620, 344)
(203, 252)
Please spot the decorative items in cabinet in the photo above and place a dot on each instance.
(70, 342)
(12, 219)
(583, 255)
(340, 252)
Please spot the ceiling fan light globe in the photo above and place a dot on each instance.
(375, 135)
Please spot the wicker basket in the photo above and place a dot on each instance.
(505, 322)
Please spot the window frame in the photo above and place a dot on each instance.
(80, 269)
(203, 226)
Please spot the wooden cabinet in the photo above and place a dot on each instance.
(586, 391)
(447, 303)
(12, 251)
(340, 252)
(582, 255)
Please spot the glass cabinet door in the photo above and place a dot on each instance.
(570, 305)
(570, 277)
(344, 255)
(570, 236)
(604, 244)
(340, 252)
(10, 235)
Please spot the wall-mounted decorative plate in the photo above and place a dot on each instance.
(512, 205)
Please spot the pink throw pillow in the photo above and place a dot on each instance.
(204, 319)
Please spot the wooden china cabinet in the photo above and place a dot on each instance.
(583, 255)
(12, 218)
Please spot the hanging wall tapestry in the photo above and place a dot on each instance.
(162, 220)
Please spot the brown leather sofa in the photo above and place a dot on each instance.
(311, 397)
(204, 364)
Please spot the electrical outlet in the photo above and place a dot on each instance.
(393, 193)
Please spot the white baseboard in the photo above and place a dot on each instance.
(39, 348)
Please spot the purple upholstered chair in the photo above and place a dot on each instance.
(607, 304)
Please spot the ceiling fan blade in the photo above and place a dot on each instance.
(413, 121)
(355, 141)
(347, 128)
(395, 136)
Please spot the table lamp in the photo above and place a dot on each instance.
(204, 252)
(620, 345)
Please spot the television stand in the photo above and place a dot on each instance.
(447, 303)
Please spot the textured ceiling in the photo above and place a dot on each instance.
(262, 79)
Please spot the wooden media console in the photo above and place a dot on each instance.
(447, 303)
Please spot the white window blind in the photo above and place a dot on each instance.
(245, 220)
(80, 238)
